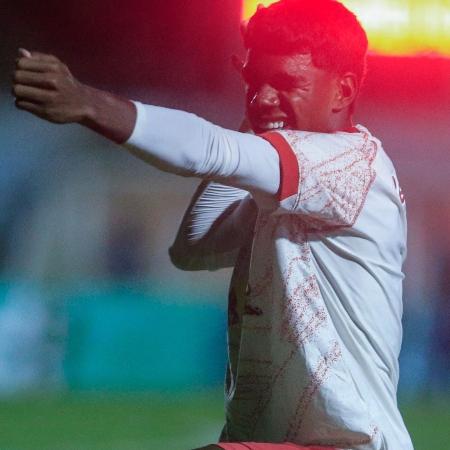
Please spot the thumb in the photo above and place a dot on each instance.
(24, 53)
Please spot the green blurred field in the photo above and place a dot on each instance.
(154, 421)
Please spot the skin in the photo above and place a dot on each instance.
(285, 88)
(290, 88)
(44, 86)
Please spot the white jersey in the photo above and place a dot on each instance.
(316, 298)
(314, 347)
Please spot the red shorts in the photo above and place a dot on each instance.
(264, 446)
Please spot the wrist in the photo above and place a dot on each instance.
(89, 110)
(107, 114)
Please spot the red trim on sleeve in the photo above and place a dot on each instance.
(289, 169)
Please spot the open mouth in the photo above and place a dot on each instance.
(266, 126)
(270, 125)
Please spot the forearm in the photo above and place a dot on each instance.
(109, 115)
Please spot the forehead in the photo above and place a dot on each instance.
(263, 64)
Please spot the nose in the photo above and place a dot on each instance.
(266, 96)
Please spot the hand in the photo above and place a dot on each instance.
(44, 86)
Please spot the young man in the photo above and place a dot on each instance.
(308, 211)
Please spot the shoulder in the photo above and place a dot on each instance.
(322, 146)
(335, 161)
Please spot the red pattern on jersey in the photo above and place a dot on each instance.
(340, 183)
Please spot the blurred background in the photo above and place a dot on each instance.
(104, 344)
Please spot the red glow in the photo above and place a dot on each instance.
(395, 27)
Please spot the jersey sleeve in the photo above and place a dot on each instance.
(216, 224)
(324, 177)
(184, 144)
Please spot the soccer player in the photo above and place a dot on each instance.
(308, 210)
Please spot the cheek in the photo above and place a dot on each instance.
(297, 106)
(324, 95)
(295, 101)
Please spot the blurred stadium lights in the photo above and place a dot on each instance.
(396, 27)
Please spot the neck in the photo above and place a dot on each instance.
(342, 122)
(349, 126)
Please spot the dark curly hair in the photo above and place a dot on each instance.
(325, 28)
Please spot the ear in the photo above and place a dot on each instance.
(346, 92)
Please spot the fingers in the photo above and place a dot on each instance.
(44, 86)
(38, 56)
(44, 57)
(30, 107)
(38, 62)
(36, 65)
(24, 53)
(43, 80)
(31, 94)
(34, 76)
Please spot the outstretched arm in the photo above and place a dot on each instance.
(173, 141)
(44, 86)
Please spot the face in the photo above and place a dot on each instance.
(288, 92)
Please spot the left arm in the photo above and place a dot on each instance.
(45, 87)
(173, 141)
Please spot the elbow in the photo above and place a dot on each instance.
(181, 260)
(178, 258)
